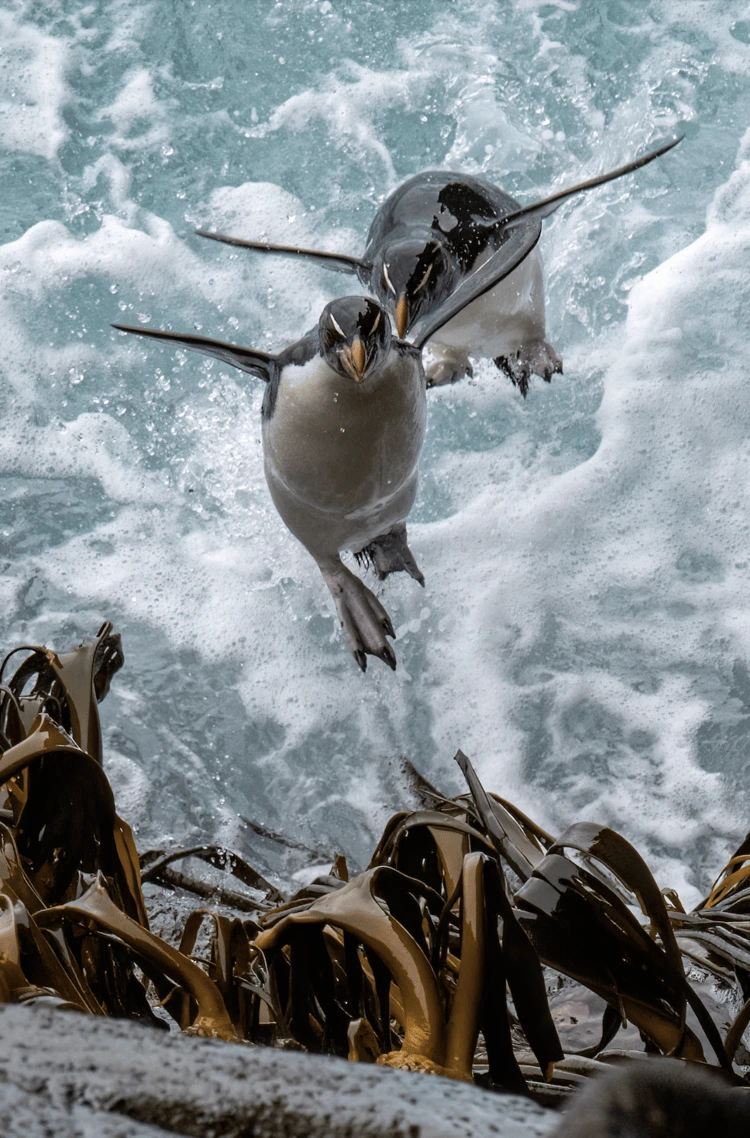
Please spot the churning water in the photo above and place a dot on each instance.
(585, 630)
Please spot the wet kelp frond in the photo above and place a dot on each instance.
(439, 958)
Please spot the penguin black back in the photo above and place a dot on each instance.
(457, 210)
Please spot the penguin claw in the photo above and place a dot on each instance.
(363, 619)
(444, 372)
(536, 357)
(549, 371)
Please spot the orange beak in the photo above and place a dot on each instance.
(358, 357)
(354, 359)
(402, 317)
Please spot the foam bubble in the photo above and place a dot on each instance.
(33, 89)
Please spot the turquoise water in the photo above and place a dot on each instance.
(585, 631)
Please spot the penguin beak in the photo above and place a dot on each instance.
(402, 316)
(358, 357)
(354, 359)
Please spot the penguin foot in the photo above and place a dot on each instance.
(445, 371)
(390, 553)
(363, 619)
(446, 364)
(536, 357)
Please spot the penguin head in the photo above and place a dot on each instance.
(409, 276)
(355, 336)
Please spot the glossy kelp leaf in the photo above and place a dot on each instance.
(67, 823)
(623, 860)
(536, 834)
(524, 974)
(716, 934)
(507, 835)
(431, 845)
(355, 909)
(732, 884)
(719, 946)
(230, 964)
(581, 927)
(29, 965)
(97, 907)
(462, 1028)
(72, 682)
(408, 964)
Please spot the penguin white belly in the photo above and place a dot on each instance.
(508, 316)
(341, 457)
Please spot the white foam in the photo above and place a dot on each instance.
(33, 88)
(348, 105)
(140, 119)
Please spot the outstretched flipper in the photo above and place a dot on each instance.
(260, 364)
(341, 262)
(523, 227)
(390, 553)
(363, 619)
(547, 206)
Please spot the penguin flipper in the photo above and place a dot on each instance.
(524, 229)
(542, 209)
(260, 364)
(501, 264)
(341, 262)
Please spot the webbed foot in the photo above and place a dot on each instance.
(446, 364)
(390, 553)
(535, 357)
(446, 371)
(365, 622)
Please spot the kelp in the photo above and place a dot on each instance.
(438, 958)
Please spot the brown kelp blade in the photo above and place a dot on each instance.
(74, 682)
(67, 822)
(354, 909)
(408, 964)
(509, 837)
(97, 906)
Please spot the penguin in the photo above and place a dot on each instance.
(343, 423)
(434, 231)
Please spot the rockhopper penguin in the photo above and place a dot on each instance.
(431, 234)
(343, 425)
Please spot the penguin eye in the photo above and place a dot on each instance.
(423, 281)
(337, 329)
(388, 280)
